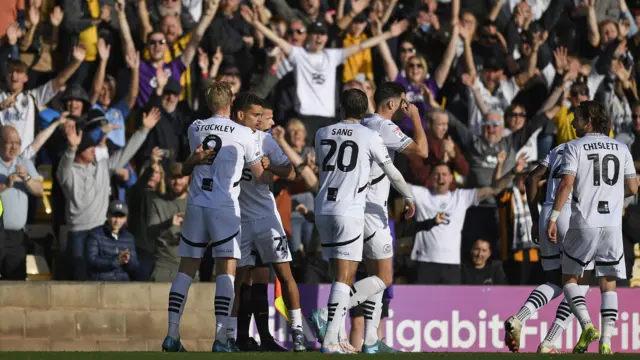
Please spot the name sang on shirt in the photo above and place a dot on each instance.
(344, 132)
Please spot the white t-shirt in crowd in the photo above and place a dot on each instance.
(216, 186)
(22, 115)
(441, 244)
(316, 80)
(256, 200)
(600, 165)
(345, 152)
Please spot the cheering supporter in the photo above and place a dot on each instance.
(480, 270)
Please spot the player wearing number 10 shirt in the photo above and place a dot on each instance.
(345, 152)
(212, 218)
(600, 172)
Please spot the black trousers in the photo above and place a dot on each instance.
(438, 274)
(13, 264)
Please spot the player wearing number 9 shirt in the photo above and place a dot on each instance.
(601, 173)
(345, 152)
(212, 218)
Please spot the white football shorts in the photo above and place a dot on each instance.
(550, 253)
(602, 246)
(205, 227)
(264, 237)
(377, 243)
(340, 237)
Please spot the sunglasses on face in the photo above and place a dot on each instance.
(298, 31)
(414, 65)
(635, 116)
(157, 42)
(583, 92)
(491, 123)
(408, 50)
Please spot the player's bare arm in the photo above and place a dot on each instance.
(533, 184)
(562, 194)
(263, 177)
(282, 171)
(198, 157)
(630, 186)
(419, 147)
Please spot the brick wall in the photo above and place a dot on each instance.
(58, 316)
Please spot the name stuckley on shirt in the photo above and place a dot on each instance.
(346, 132)
(600, 146)
(213, 127)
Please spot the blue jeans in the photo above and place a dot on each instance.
(301, 232)
(545, 144)
(76, 242)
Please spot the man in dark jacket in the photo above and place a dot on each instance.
(111, 250)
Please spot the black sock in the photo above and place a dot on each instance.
(260, 301)
(244, 313)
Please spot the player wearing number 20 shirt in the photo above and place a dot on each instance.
(345, 152)
(213, 211)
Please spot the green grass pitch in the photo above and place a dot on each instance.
(280, 356)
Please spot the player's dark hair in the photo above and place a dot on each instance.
(595, 113)
(386, 91)
(354, 103)
(244, 101)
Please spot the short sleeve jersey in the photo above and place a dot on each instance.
(216, 186)
(345, 152)
(395, 141)
(441, 244)
(315, 76)
(553, 162)
(256, 199)
(600, 164)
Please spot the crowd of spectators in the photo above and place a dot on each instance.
(99, 93)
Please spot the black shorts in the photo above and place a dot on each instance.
(357, 311)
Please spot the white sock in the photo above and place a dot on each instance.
(232, 324)
(609, 314)
(564, 317)
(338, 300)
(295, 316)
(538, 298)
(222, 305)
(177, 300)
(363, 289)
(372, 310)
(575, 298)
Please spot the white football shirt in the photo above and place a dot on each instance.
(315, 76)
(600, 165)
(441, 244)
(553, 162)
(256, 200)
(345, 152)
(395, 141)
(216, 186)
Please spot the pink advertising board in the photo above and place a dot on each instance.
(470, 318)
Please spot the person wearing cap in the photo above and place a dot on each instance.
(110, 250)
(20, 108)
(315, 67)
(85, 178)
(520, 254)
(165, 221)
(170, 133)
(103, 94)
(18, 180)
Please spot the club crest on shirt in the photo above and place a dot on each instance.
(398, 133)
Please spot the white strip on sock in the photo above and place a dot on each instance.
(232, 324)
(575, 298)
(222, 304)
(364, 288)
(609, 315)
(538, 298)
(295, 316)
(177, 300)
(337, 305)
(372, 310)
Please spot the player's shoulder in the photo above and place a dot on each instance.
(558, 149)
(373, 121)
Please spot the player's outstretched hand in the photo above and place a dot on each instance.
(552, 231)
(409, 209)
(198, 157)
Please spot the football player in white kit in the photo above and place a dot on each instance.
(550, 256)
(599, 173)
(262, 231)
(212, 218)
(345, 152)
(378, 243)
